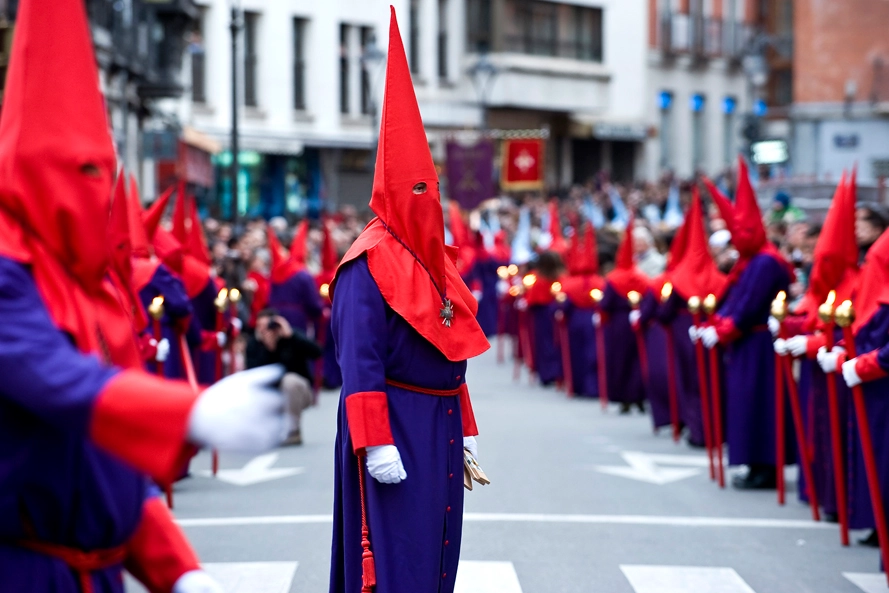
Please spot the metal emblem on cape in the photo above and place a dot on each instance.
(447, 312)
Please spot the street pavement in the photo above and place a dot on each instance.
(581, 501)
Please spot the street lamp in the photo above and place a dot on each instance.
(483, 74)
(235, 27)
(372, 60)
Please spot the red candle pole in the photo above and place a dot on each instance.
(503, 274)
(234, 297)
(602, 376)
(635, 298)
(672, 390)
(826, 312)
(565, 343)
(845, 314)
(716, 394)
(694, 307)
(220, 302)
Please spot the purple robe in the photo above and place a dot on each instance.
(52, 476)
(582, 346)
(657, 381)
(177, 307)
(204, 305)
(485, 272)
(297, 300)
(749, 375)
(547, 348)
(625, 382)
(332, 375)
(674, 315)
(415, 526)
(816, 412)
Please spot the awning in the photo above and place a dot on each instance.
(589, 126)
(200, 140)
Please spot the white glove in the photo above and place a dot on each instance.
(243, 412)
(384, 464)
(196, 581)
(850, 374)
(709, 337)
(163, 350)
(828, 360)
(798, 345)
(220, 339)
(694, 334)
(781, 346)
(774, 326)
(597, 319)
(471, 444)
(237, 323)
(635, 316)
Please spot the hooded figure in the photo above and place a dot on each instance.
(82, 427)
(692, 272)
(740, 325)
(579, 307)
(404, 325)
(491, 253)
(626, 383)
(293, 292)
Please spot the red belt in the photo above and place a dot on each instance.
(415, 388)
(81, 562)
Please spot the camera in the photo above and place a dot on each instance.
(274, 324)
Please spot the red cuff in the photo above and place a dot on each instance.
(794, 325)
(209, 341)
(469, 427)
(368, 416)
(181, 324)
(147, 347)
(143, 420)
(725, 329)
(158, 553)
(868, 368)
(814, 343)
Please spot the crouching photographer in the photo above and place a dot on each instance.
(275, 341)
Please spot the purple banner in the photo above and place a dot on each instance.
(470, 173)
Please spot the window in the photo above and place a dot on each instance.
(251, 20)
(344, 68)
(414, 57)
(698, 103)
(299, 64)
(558, 30)
(729, 122)
(443, 39)
(478, 25)
(665, 102)
(198, 61)
(367, 37)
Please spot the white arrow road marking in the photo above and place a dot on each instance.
(259, 469)
(684, 579)
(644, 467)
(487, 577)
(867, 582)
(253, 577)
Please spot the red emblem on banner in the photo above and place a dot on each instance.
(522, 167)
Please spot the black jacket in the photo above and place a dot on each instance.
(294, 353)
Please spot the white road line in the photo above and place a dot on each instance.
(487, 577)
(684, 579)
(253, 577)
(667, 521)
(867, 582)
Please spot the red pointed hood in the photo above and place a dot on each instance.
(168, 249)
(873, 289)
(329, 256)
(138, 237)
(726, 210)
(283, 267)
(404, 245)
(555, 229)
(625, 276)
(403, 161)
(748, 231)
(57, 160)
(836, 250)
(466, 248)
(583, 258)
(119, 245)
(152, 216)
(197, 243)
(180, 216)
(298, 244)
(692, 269)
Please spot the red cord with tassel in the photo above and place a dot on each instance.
(368, 568)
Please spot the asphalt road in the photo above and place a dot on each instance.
(581, 501)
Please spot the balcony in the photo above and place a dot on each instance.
(701, 37)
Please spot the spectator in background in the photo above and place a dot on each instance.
(275, 341)
(649, 260)
(870, 222)
(784, 211)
